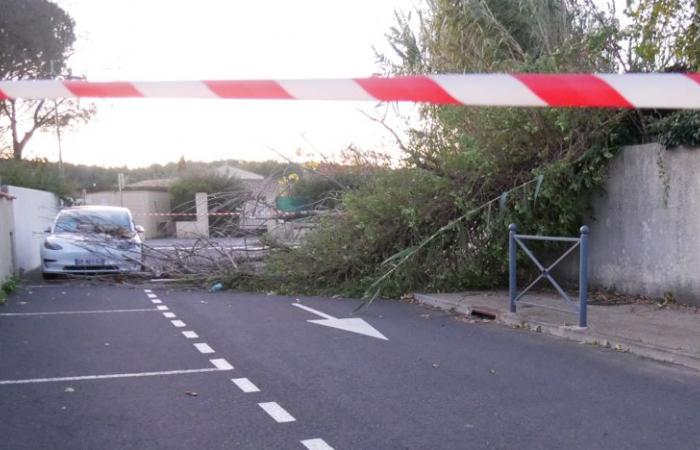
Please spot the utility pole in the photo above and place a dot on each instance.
(58, 128)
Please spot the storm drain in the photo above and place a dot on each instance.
(482, 313)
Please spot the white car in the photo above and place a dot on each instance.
(92, 239)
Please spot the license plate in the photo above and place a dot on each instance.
(89, 262)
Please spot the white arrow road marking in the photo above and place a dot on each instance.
(353, 325)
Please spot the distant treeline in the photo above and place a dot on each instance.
(45, 175)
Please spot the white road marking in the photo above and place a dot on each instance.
(203, 347)
(156, 301)
(152, 295)
(245, 385)
(277, 412)
(178, 323)
(353, 324)
(313, 311)
(162, 308)
(147, 291)
(58, 313)
(169, 315)
(221, 363)
(190, 334)
(316, 444)
(116, 375)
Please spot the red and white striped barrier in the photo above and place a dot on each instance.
(653, 90)
(189, 214)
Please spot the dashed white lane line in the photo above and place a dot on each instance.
(58, 313)
(279, 414)
(152, 295)
(190, 334)
(156, 301)
(316, 444)
(147, 291)
(169, 315)
(203, 348)
(162, 308)
(221, 363)
(245, 385)
(118, 375)
(178, 323)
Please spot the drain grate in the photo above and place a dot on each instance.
(483, 314)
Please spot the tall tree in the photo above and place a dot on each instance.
(36, 39)
(181, 166)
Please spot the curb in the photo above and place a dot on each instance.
(573, 333)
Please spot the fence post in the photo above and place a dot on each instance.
(583, 279)
(512, 288)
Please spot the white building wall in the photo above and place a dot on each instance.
(34, 212)
(7, 227)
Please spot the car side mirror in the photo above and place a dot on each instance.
(48, 230)
(140, 229)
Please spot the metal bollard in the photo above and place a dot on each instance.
(512, 287)
(583, 279)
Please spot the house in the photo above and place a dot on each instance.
(148, 201)
(263, 192)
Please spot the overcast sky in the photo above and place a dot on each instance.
(222, 39)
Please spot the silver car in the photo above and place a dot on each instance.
(92, 239)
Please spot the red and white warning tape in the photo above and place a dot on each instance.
(650, 90)
(189, 214)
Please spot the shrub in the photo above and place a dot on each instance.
(36, 174)
(7, 288)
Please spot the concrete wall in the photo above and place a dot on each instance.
(200, 227)
(257, 212)
(638, 244)
(7, 228)
(144, 205)
(34, 211)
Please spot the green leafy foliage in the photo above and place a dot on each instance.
(440, 223)
(7, 288)
(677, 129)
(321, 186)
(36, 39)
(36, 174)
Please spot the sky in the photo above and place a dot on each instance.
(224, 39)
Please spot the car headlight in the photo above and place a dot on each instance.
(52, 244)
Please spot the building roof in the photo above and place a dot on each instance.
(157, 184)
(231, 171)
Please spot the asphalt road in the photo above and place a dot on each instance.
(100, 367)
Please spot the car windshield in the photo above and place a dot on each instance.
(110, 222)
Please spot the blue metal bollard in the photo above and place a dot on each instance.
(583, 278)
(512, 287)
